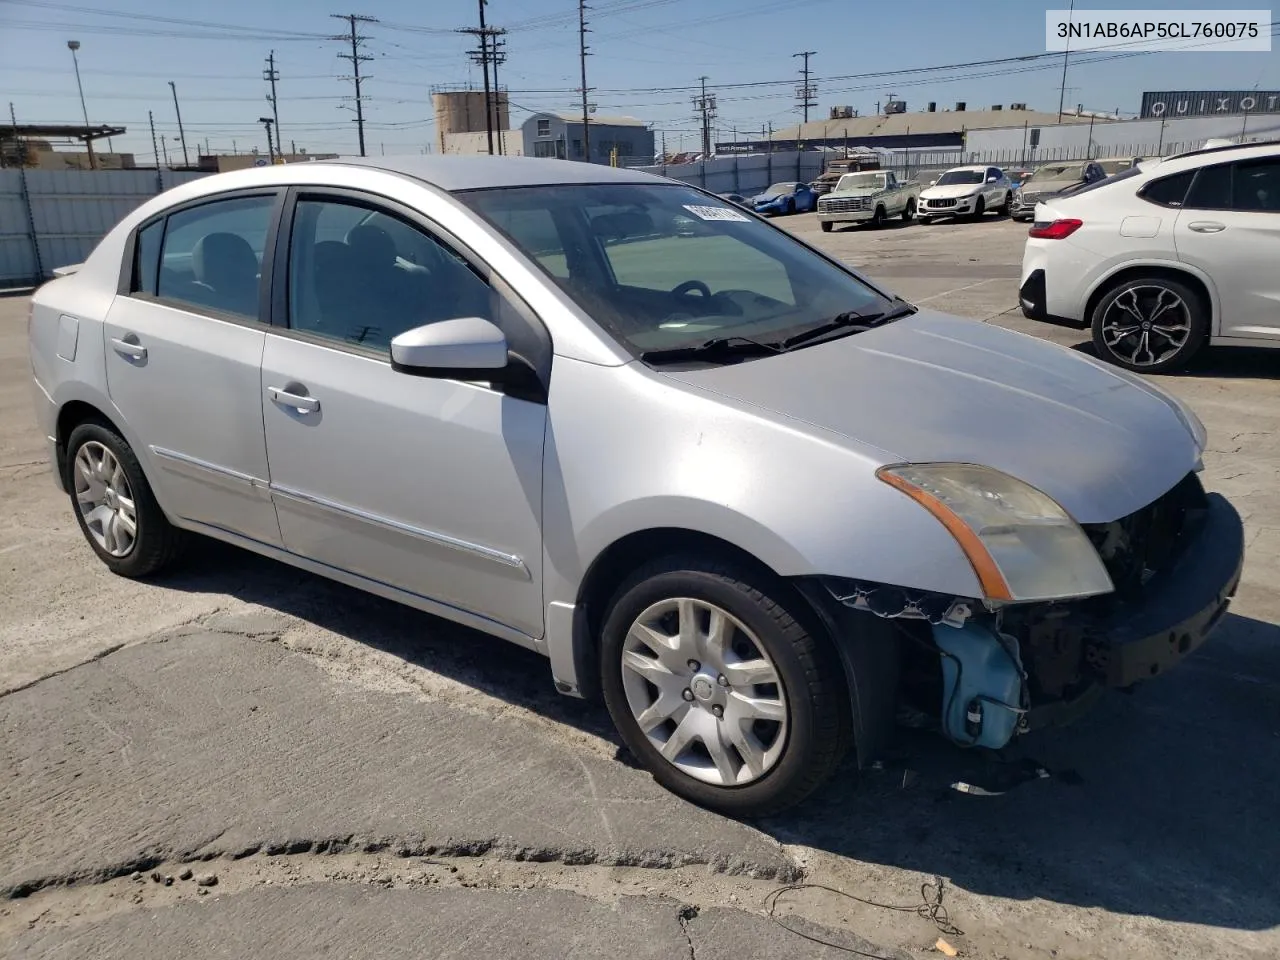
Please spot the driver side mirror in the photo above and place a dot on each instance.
(992, 179)
(451, 349)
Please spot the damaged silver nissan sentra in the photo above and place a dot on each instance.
(761, 505)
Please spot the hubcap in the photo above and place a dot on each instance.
(1146, 324)
(704, 692)
(105, 499)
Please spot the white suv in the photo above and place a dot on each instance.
(1164, 258)
(965, 192)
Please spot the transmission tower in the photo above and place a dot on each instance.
(356, 58)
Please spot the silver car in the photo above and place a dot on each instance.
(760, 505)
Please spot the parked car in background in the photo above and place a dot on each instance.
(1164, 258)
(1050, 180)
(503, 392)
(1113, 165)
(736, 198)
(965, 191)
(868, 198)
(784, 198)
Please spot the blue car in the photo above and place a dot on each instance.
(785, 198)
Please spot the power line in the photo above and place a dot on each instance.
(806, 93)
(356, 58)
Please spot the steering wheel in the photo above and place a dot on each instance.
(689, 286)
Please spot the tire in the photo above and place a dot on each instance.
(105, 485)
(909, 211)
(924, 221)
(1171, 344)
(1005, 207)
(826, 226)
(877, 219)
(979, 208)
(790, 757)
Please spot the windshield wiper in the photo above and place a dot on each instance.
(715, 348)
(851, 321)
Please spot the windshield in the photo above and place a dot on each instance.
(962, 176)
(1058, 171)
(1111, 167)
(861, 181)
(780, 188)
(663, 266)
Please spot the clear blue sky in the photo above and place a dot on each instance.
(645, 56)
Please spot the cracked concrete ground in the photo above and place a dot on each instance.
(369, 781)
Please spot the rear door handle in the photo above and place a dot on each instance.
(1206, 226)
(302, 404)
(129, 347)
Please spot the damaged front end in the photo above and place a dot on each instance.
(983, 672)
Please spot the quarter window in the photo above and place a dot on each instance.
(362, 276)
(212, 255)
(146, 258)
(1168, 191)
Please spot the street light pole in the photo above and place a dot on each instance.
(73, 46)
(181, 133)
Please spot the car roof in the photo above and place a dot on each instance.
(453, 173)
(1262, 148)
(971, 166)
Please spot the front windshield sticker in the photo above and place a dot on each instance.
(717, 213)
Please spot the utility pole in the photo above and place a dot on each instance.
(582, 60)
(154, 149)
(271, 149)
(164, 148)
(498, 55)
(806, 91)
(485, 55)
(1066, 53)
(356, 58)
(706, 106)
(181, 134)
(272, 74)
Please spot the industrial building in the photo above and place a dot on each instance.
(461, 126)
(613, 139)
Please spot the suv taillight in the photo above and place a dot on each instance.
(1054, 229)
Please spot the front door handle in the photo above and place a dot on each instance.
(299, 402)
(129, 346)
(1207, 226)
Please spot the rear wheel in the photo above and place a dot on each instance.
(1150, 325)
(909, 211)
(719, 690)
(117, 512)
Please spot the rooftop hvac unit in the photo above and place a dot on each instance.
(996, 106)
(959, 105)
(933, 107)
(1017, 106)
(895, 106)
(843, 113)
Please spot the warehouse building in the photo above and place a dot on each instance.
(613, 139)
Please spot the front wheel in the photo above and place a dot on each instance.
(719, 690)
(877, 218)
(826, 226)
(909, 211)
(924, 221)
(1150, 325)
(1006, 206)
(979, 209)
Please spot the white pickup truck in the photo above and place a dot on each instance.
(872, 196)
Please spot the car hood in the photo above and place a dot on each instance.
(932, 387)
(770, 198)
(951, 191)
(853, 194)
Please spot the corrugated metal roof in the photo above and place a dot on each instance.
(570, 117)
(942, 121)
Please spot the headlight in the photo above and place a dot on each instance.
(1023, 546)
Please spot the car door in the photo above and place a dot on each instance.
(1229, 227)
(432, 486)
(995, 190)
(184, 345)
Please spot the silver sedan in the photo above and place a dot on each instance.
(757, 503)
